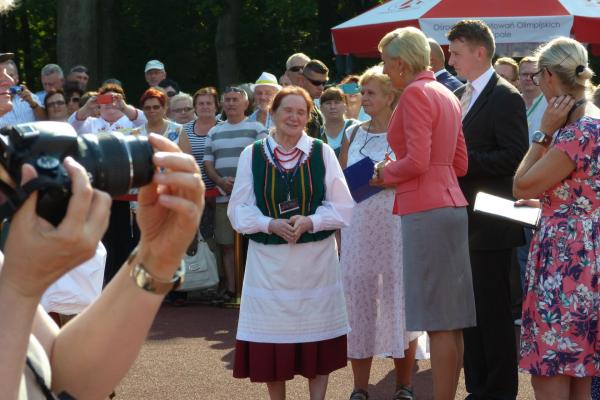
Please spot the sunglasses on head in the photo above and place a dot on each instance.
(234, 89)
(296, 68)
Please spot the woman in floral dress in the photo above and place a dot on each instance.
(559, 335)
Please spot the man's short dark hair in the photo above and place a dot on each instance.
(79, 68)
(165, 83)
(316, 66)
(474, 32)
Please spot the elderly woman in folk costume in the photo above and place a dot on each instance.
(289, 197)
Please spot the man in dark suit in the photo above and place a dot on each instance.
(495, 129)
(438, 65)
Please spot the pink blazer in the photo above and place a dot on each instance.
(425, 133)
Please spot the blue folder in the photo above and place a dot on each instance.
(358, 176)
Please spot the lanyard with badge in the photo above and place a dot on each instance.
(290, 204)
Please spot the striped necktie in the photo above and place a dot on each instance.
(465, 100)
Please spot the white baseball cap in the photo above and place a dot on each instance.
(154, 64)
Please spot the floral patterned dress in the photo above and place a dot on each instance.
(559, 334)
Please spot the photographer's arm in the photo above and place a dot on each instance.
(32, 100)
(16, 313)
(36, 254)
(111, 331)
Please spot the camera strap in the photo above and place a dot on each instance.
(45, 389)
(15, 197)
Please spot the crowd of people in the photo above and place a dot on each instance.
(329, 278)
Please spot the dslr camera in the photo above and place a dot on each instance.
(115, 163)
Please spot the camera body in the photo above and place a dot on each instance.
(15, 89)
(106, 98)
(115, 163)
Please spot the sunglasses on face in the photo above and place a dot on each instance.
(182, 110)
(535, 78)
(74, 100)
(233, 89)
(56, 103)
(315, 82)
(171, 94)
(154, 108)
(296, 68)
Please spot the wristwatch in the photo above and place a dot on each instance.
(540, 137)
(144, 280)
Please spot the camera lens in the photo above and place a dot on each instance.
(116, 163)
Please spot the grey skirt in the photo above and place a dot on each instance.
(437, 272)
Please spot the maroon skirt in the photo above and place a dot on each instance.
(271, 362)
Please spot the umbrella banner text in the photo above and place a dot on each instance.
(506, 30)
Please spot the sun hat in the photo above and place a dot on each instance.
(266, 79)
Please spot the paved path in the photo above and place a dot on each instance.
(189, 355)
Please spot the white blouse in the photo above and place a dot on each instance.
(335, 211)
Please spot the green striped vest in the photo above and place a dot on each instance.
(269, 189)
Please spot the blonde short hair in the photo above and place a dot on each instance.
(568, 59)
(511, 63)
(376, 74)
(179, 97)
(527, 59)
(409, 44)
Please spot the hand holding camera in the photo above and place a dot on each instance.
(32, 239)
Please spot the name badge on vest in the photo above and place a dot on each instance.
(288, 206)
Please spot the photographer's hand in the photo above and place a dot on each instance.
(36, 252)
(169, 208)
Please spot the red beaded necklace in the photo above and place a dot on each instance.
(284, 158)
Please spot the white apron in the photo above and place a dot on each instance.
(292, 293)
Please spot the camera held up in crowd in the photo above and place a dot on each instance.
(115, 163)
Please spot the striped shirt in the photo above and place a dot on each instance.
(225, 143)
(198, 144)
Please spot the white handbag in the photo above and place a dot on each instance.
(200, 266)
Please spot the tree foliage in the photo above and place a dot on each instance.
(181, 34)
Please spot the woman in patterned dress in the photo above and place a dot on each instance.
(371, 255)
(559, 335)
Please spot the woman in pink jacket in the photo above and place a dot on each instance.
(425, 133)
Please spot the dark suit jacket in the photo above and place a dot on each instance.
(495, 131)
(449, 80)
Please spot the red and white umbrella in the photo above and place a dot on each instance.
(512, 21)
